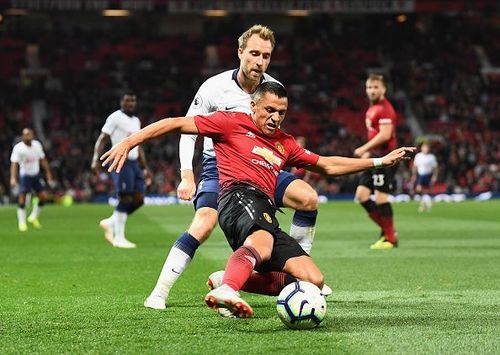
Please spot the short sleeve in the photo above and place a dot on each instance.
(14, 156)
(300, 157)
(386, 116)
(202, 102)
(110, 124)
(41, 153)
(214, 125)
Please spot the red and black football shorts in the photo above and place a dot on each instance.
(243, 209)
(381, 179)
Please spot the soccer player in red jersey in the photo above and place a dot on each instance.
(381, 127)
(251, 150)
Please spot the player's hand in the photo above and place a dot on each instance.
(116, 156)
(148, 177)
(187, 187)
(394, 157)
(361, 153)
(52, 183)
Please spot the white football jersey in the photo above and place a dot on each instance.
(425, 163)
(221, 92)
(119, 126)
(28, 157)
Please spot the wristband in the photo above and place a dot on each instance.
(377, 162)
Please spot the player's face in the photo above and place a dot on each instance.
(128, 103)
(27, 136)
(375, 90)
(255, 58)
(268, 112)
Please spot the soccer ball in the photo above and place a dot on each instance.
(301, 305)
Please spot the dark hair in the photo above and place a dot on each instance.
(269, 87)
(128, 93)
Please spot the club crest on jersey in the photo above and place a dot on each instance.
(280, 147)
(267, 154)
(267, 217)
(250, 134)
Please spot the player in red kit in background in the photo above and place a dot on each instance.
(381, 128)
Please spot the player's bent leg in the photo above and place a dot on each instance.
(301, 197)
(303, 268)
(182, 252)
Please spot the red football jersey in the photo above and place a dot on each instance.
(379, 114)
(245, 154)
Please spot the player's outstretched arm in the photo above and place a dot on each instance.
(187, 186)
(336, 165)
(117, 155)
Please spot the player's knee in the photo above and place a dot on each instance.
(316, 278)
(125, 199)
(309, 201)
(304, 198)
(138, 200)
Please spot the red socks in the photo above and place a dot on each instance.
(267, 283)
(387, 221)
(239, 267)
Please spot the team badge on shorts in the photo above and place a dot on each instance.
(267, 217)
(280, 147)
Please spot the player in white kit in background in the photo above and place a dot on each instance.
(229, 91)
(424, 175)
(130, 182)
(28, 155)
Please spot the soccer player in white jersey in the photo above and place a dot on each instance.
(424, 175)
(130, 182)
(229, 91)
(28, 155)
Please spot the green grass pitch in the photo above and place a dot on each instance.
(64, 290)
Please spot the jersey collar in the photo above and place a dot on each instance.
(234, 76)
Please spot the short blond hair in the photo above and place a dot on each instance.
(264, 32)
(377, 77)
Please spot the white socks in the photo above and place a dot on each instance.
(303, 235)
(119, 221)
(21, 215)
(177, 261)
(35, 212)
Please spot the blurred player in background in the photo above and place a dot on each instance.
(251, 150)
(229, 91)
(28, 155)
(424, 175)
(381, 128)
(129, 183)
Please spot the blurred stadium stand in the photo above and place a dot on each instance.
(63, 65)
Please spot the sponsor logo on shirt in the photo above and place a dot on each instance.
(267, 217)
(197, 102)
(267, 154)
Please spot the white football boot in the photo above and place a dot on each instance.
(225, 297)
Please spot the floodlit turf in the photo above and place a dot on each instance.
(63, 289)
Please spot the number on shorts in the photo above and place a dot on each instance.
(378, 179)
